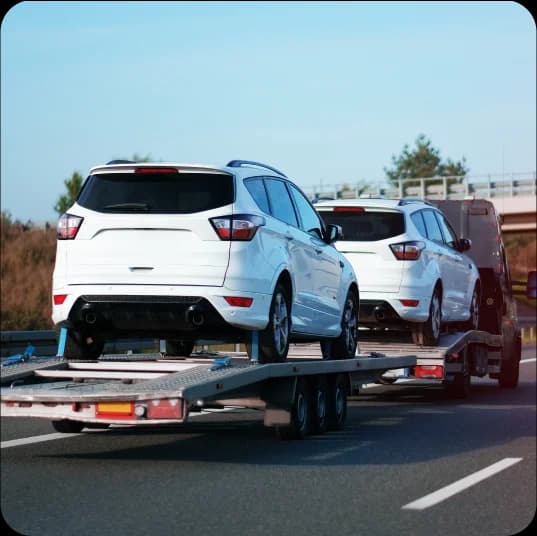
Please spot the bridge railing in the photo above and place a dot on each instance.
(451, 187)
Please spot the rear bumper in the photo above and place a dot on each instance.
(385, 309)
(190, 312)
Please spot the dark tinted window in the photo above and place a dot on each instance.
(159, 193)
(309, 219)
(367, 226)
(433, 230)
(417, 219)
(281, 206)
(258, 192)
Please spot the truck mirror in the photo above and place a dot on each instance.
(531, 288)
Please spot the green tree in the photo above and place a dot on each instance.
(423, 161)
(72, 185)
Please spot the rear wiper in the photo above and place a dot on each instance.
(128, 206)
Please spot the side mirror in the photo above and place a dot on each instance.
(531, 287)
(333, 233)
(464, 244)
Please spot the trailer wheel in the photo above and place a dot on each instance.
(460, 386)
(274, 339)
(344, 346)
(510, 370)
(337, 402)
(300, 414)
(179, 348)
(65, 426)
(319, 407)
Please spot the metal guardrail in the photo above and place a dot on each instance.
(452, 187)
(15, 342)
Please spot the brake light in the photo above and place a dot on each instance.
(237, 227)
(349, 209)
(156, 170)
(239, 301)
(68, 226)
(407, 251)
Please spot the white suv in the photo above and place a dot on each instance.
(411, 265)
(188, 252)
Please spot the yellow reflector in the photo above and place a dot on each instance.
(115, 408)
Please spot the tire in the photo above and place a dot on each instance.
(66, 426)
(81, 346)
(179, 347)
(337, 403)
(473, 322)
(319, 405)
(428, 333)
(274, 339)
(344, 346)
(300, 414)
(510, 370)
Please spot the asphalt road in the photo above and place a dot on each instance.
(409, 461)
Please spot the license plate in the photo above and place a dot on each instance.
(396, 373)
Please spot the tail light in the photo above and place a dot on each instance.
(407, 251)
(237, 227)
(68, 226)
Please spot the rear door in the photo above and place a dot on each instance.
(150, 226)
(367, 235)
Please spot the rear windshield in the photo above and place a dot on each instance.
(159, 193)
(366, 226)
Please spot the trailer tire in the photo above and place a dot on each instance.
(66, 426)
(319, 406)
(337, 402)
(510, 370)
(179, 347)
(300, 414)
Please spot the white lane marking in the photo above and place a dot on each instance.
(456, 487)
(60, 435)
(529, 360)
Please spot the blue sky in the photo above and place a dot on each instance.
(321, 90)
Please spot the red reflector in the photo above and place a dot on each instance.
(59, 299)
(349, 209)
(165, 409)
(237, 301)
(409, 303)
(156, 170)
(429, 371)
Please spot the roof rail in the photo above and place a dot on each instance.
(120, 162)
(240, 163)
(409, 200)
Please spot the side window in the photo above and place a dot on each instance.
(449, 236)
(280, 203)
(417, 220)
(309, 219)
(431, 225)
(257, 190)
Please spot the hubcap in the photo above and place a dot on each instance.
(280, 323)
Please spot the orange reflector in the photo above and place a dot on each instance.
(171, 408)
(429, 371)
(119, 410)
